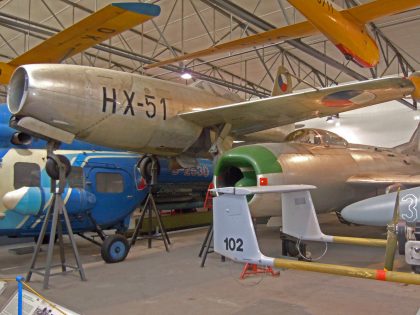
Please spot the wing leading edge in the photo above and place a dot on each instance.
(94, 29)
(257, 115)
(360, 14)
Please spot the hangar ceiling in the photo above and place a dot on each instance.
(190, 25)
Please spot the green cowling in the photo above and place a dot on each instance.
(253, 159)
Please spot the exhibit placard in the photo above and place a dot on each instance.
(33, 305)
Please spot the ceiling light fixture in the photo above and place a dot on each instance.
(186, 75)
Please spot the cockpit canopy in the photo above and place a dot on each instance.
(316, 137)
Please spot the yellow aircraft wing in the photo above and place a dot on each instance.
(361, 14)
(376, 9)
(94, 29)
(257, 115)
(270, 37)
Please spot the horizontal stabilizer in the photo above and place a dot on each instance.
(94, 29)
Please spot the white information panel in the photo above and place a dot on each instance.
(33, 305)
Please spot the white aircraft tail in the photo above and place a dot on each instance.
(234, 235)
(299, 216)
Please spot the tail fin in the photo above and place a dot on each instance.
(412, 146)
(234, 235)
(282, 82)
(299, 217)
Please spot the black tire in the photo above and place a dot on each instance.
(145, 167)
(401, 236)
(114, 249)
(52, 168)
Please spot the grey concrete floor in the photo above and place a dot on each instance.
(152, 281)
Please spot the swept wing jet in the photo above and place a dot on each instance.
(143, 114)
(344, 173)
(346, 29)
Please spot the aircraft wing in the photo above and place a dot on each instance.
(361, 14)
(382, 179)
(257, 115)
(298, 30)
(94, 29)
(373, 10)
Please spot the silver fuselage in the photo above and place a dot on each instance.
(131, 112)
(329, 169)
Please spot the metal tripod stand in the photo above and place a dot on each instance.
(58, 212)
(148, 166)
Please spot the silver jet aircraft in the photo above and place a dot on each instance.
(139, 113)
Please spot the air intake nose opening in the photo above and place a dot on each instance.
(21, 138)
(18, 90)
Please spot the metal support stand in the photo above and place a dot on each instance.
(58, 211)
(207, 247)
(150, 208)
(149, 168)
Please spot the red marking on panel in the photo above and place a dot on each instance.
(362, 63)
(337, 103)
(263, 181)
(283, 87)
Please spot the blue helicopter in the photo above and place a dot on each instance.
(103, 188)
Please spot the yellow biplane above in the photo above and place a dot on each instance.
(94, 29)
(346, 29)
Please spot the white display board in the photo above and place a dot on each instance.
(33, 305)
(2, 286)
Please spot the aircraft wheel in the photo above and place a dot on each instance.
(52, 168)
(114, 249)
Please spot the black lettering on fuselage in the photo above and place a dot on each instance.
(330, 7)
(129, 103)
(112, 100)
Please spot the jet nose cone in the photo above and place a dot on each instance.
(25, 200)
